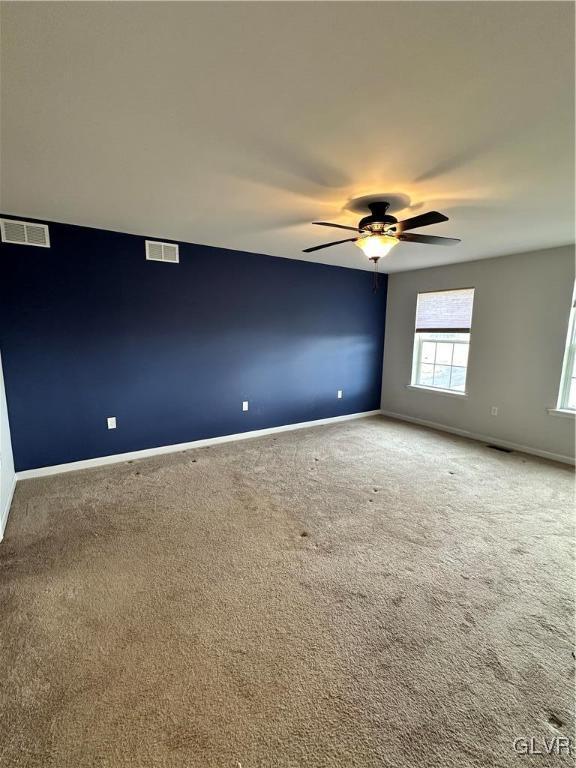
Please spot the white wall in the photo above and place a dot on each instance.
(7, 475)
(521, 310)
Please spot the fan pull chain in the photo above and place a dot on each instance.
(376, 283)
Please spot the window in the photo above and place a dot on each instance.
(567, 397)
(442, 339)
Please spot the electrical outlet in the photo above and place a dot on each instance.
(494, 410)
(111, 422)
(340, 394)
(244, 405)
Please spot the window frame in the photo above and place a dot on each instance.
(568, 362)
(418, 344)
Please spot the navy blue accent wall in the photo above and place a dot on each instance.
(90, 329)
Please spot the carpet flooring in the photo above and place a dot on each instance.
(369, 593)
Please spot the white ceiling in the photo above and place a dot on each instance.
(237, 124)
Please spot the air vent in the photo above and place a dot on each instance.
(156, 251)
(24, 233)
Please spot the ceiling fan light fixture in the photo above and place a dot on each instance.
(376, 246)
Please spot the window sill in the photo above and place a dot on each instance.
(437, 390)
(562, 412)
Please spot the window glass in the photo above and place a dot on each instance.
(571, 401)
(444, 353)
(460, 355)
(428, 351)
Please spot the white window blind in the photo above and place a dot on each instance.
(440, 311)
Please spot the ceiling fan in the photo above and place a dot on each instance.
(380, 232)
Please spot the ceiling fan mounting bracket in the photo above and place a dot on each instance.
(379, 208)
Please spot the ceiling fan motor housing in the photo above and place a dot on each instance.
(379, 220)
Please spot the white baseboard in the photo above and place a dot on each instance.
(481, 438)
(4, 512)
(147, 452)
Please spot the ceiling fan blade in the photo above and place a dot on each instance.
(327, 245)
(338, 226)
(409, 237)
(432, 217)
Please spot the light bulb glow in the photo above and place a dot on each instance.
(376, 246)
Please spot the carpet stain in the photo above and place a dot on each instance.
(555, 721)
